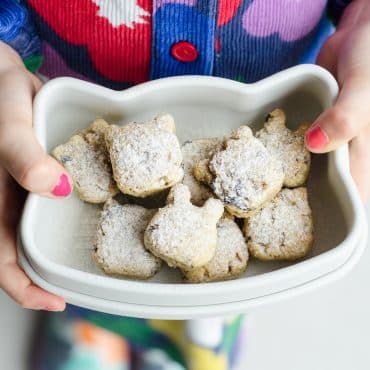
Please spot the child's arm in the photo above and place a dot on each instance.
(347, 55)
(21, 156)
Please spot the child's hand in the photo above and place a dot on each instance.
(347, 55)
(22, 156)
(12, 278)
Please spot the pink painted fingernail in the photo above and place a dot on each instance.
(63, 188)
(316, 138)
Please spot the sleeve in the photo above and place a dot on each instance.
(18, 31)
(336, 9)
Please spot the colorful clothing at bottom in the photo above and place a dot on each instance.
(108, 342)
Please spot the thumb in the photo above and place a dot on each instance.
(342, 122)
(20, 152)
(25, 160)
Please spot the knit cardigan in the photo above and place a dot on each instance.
(121, 43)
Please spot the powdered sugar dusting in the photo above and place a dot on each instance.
(120, 241)
(245, 174)
(282, 229)
(182, 234)
(86, 158)
(193, 152)
(145, 157)
(231, 255)
(288, 147)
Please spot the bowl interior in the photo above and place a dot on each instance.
(200, 111)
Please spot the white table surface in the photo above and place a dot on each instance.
(328, 329)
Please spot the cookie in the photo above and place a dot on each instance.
(86, 158)
(283, 228)
(194, 152)
(120, 241)
(288, 146)
(182, 234)
(146, 157)
(243, 174)
(230, 259)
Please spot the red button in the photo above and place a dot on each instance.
(184, 51)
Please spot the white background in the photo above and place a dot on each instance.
(328, 329)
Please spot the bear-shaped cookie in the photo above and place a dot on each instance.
(243, 174)
(231, 255)
(194, 152)
(86, 158)
(182, 234)
(288, 146)
(283, 228)
(120, 241)
(146, 157)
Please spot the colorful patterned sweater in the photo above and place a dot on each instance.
(119, 43)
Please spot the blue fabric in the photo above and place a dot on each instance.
(325, 29)
(171, 25)
(17, 29)
(12, 19)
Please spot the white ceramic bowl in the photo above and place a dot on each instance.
(57, 235)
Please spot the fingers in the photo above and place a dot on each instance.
(341, 123)
(346, 55)
(20, 152)
(20, 288)
(25, 160)
(12, 279)
(23, 157)
(360, 163)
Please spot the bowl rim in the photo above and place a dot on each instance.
(191, 312)
(339, 159)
